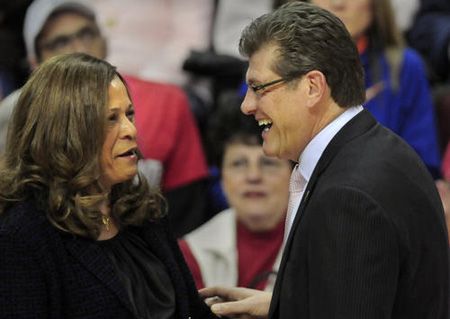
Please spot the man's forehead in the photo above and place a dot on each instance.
(261, 63)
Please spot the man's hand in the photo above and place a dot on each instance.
(242, 302)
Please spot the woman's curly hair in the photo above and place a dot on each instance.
(54, 144)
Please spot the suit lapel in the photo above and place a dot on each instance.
(96, 262)
(357, 126)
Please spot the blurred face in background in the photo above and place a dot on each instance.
(70, 33)
(357, 15)
(256, 186)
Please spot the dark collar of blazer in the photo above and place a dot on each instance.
(360, 124)
(94, 260)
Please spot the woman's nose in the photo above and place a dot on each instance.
(128, 129)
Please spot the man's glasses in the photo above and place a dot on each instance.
(60, 43)
(260, 89)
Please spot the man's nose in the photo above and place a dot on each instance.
(248, 106)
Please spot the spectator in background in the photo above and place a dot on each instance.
(151, 39)
(242, 245)
(13, 69)
(430, 35)
(397, 90)
(167, 134)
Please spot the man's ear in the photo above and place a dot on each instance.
(316, 87)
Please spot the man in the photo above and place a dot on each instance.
(367, 238)
(167, 134)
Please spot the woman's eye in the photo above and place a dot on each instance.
(269, 162)
(238, 163)
(112, 117)
(130, 115)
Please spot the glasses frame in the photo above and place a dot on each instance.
(261, 87)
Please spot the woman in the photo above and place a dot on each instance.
(81, 233)
(242, 245)
(397, 91)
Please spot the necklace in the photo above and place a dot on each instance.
(106, 220)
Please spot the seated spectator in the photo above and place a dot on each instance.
(430, 35)
(242, 245)
(151, 39)
(167, 133)
(398, 93)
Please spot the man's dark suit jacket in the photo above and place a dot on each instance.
(369, 239)
(45, 273)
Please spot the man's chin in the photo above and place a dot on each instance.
(268, 151)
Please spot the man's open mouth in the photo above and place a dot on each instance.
(265, 124)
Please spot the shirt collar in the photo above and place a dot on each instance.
(313, 151)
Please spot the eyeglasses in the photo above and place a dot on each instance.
(260, 89)
(60, 43)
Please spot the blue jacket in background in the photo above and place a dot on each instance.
(407, 110)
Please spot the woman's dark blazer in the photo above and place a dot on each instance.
(46, 273)
(369, 239)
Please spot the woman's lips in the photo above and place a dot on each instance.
(253, 194)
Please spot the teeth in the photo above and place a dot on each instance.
(130, 153)
(264, 122)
